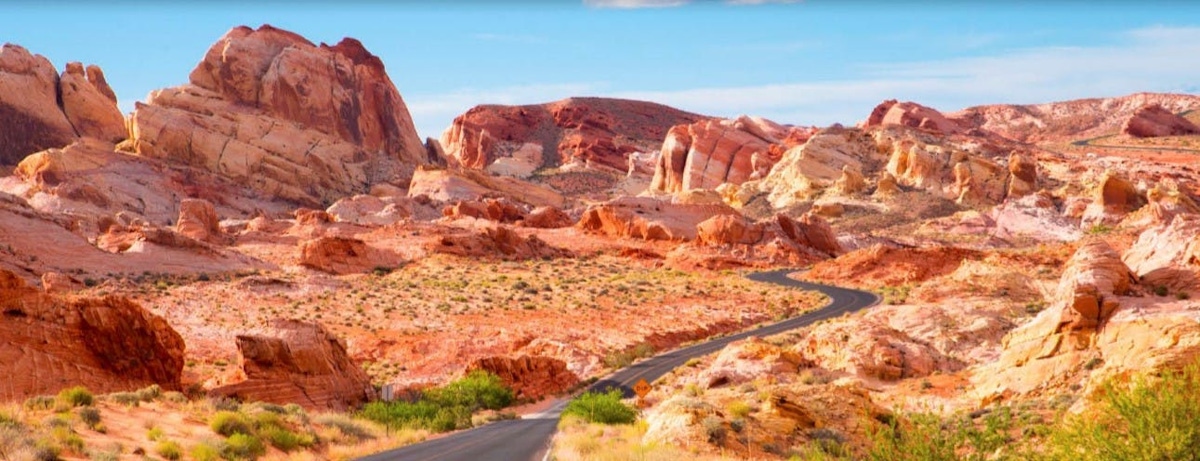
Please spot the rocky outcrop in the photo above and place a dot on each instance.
(198, 220)
(448, 185)
(547, 217)
(850, 182)
(344, 255)
(648, 218)
(498, 210)
(1023, 175)
(749, 359)
(910, 114)
(1167, 255)
(530, 377)
(811, 231)
(90, 104)
(39, 110)
(294, 120)
(728, 230)
(302, 363)
(369, 210)
(806, 170)
(873, 350)
(107, 344)
(1152, 121)
(597, 131)
(496, 242)
(1113, 197)
(1066, 120)
(708, 153)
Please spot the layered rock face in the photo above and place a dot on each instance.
(1113, 197)
(1167, 255)
(519, 139)
(1067, 120)
(1152, 120)
(910, 114)
(294, 120)
(529, 377)
(41, 110)
(298, 362)
(106, 344)
(706, 154)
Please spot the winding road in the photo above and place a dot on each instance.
(529, 438)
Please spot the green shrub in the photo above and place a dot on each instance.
(1161, 290)
(175, 397)
(90, 416)
(40, 402)
(67, 438)
(476, 391)
(131, 399)
(154, 434)
(46, 450)
(1144, 418)
(920, 437)
(228, 423)
(739, 409)
(169, 450)
(149, 393)
(286, 440)
(714, 426)
(603, 408)
(77, 396)
(243, 446)
(205, 452)
(348, 427)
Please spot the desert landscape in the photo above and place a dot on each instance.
(267, 261)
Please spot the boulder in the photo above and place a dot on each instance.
(1153, 120)
(728, 230)
(106, 344)
(302, 363)
(530, 377)
(198, 220)
(749, 359)
(448, 185)
(547, 217)
(1023, 175)
(1113, 197)
(496, 242)
(344, 255)
(1167, 255)
(498, 210)
(850, 182)
(811, 231)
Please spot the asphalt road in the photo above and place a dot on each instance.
(528, 439)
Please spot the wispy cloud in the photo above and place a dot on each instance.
(1150, 59)
(634, 3)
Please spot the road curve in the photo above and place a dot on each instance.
(529, 438)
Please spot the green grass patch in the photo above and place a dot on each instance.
(603, 408)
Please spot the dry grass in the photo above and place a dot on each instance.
(577, 440)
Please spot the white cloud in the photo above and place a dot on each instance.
(634, 3)
(1156, 59)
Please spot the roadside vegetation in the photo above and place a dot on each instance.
(77, 424)
(446, 408)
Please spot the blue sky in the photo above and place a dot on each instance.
(808, 63)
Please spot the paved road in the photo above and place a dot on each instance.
(528, 439)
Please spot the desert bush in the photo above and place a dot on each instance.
(476, 391)
(243, 446)
(154, 434)
(1142, 418)
(286, 440)
(603, 408)
(445, 408)
(131, 399)
(90, 416)
(40, 402)
(46, 450)
(918, 437)
(169, 450)
(714, 427)
(149, 393)
(68, 439)
(206, 451)
(77, 396)
(175, 397)
(228, 423)
(739, 409)
(346, 426)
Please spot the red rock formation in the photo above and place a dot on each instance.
(1023, 175)
(1168, 254)
(198, 220)
(597, 130)
(342, 255)
(547, 217)
(497, 242)
(728, 230)
(302, 363)
(529, 377)
(811, 231)
(708, 153)
(1067, 120)
(648, 218)
(107, 344)
(1152, 120)
(90, 104)
(1113, 197)
(296, 121)
(498, 210)
(30, 119)
(910, 114)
